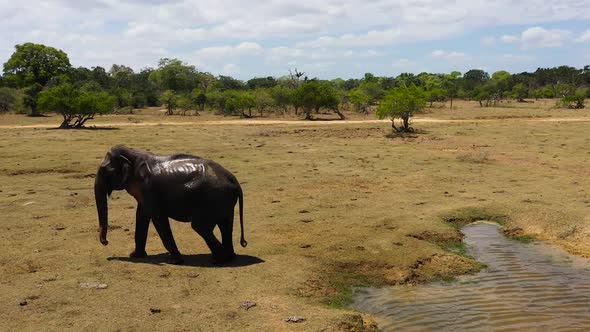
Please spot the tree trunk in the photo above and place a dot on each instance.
(340, 114)
(65, 124)
(393, 127)
(406, 121)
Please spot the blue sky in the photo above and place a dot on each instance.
(326, 39)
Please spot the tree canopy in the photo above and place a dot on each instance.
(35, 63)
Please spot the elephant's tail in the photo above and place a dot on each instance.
(243, 242)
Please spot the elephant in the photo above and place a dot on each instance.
(183, 187)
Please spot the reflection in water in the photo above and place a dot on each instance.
(526, 287)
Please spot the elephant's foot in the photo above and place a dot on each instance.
(175, 259)
(138, 254)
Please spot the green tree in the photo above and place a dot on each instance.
(169, 99)
(225, 83)
(282, 97)
(101, 76)
(261, 82)
(564, 90)
(173, 74)
(450, 86)
(548, 92)
(35, 63)
(313, 95)
(199, 98)
(406, 79)
(360, 99)
(537, 93)
(238, 102)
(501, 78)
(489, 92)
(372, 89)
(216, 99)
(574, 101)
(402, 102)
(520, 92)
(186, 104)
(31, 96)
(75, 106)
(263, 100)
(8, 99)
(435, 94)
(474, 78)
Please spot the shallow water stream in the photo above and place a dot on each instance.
(525, 287)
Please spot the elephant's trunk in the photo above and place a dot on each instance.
(100, 195)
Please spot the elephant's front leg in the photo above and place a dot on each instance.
(162, 225)
(142, 223)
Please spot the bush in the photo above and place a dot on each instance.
(8, 99)
(575, 101)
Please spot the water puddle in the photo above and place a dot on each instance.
(526, 287)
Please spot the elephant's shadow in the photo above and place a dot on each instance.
(199, 260)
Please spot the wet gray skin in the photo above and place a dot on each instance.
(525, 287)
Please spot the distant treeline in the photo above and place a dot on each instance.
(34, 69)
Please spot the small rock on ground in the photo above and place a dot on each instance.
(93, 284)
(248, 304)
(295, 319)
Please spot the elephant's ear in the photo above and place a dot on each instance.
(106, 161)
(126, 169)
(144, 171)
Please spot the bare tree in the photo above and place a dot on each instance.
(295, 78)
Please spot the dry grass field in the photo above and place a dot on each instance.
(328, 205)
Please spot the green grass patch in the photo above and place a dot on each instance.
(523, 238)
(454, 247)
(464, 216)
(343, 283)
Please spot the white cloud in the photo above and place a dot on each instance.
(217, 52)
(363, 53)
(450, 56)
(509, 39)
(102, 32)
(515, 58)
(403, 63)
(585, 37)
(370, 38)
(537, 37)
(230, 69)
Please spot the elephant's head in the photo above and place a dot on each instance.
(113, 174)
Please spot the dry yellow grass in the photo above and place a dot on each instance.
(372, 203)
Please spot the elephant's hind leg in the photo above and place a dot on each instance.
(226, 227)
(205, 229)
